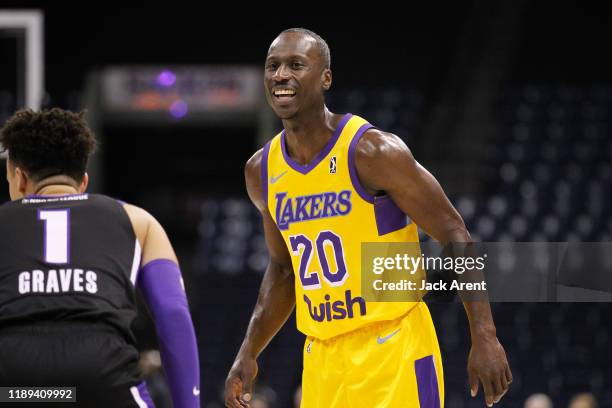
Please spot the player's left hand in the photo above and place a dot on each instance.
(487, 364)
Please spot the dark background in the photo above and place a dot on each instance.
(461, 79)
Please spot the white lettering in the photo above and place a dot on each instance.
(65, 275)
(38, 281)
(78, 280)
(24, 282)
(91, 286)
(52, 283)
(479, 286)
(377, 265)
(69, 280)
(415, 264)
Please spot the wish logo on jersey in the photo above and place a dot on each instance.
(338, 310)
(311, 207)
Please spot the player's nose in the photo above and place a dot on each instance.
(281, 73)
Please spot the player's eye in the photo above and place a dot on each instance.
(272, 66)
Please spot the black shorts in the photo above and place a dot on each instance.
(94, 358)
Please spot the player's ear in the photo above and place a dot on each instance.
(22, 180)
(326, 79)
(84, 183)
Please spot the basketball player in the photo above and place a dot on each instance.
(324, 185)
(69, 264)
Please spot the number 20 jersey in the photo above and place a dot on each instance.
(324, 215)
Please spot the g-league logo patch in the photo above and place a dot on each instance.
(332, 165)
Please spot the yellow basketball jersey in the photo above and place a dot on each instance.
(324, 215)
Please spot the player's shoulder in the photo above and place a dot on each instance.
(378, 145)
(254, 179)
(253, 164)
(137, 214)
(151, 235)
(143, 223)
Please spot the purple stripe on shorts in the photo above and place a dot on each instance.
(388, 215)
(144, 394)
(427, 381)
(264, 171)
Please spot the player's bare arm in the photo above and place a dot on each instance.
(151, 235)
(275, 301)
(161, 284)
(385, 164)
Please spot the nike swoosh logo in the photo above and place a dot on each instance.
(196, 391)
(275, 179)
(382, 340)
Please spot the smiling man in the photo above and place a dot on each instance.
(324, 185)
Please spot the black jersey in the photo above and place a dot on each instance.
(69, 258)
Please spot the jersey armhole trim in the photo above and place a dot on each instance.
(351, 163)
(135, 262)
(264, 171)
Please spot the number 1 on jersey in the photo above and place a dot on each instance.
(56, 244)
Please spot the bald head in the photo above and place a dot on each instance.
(320, 43)
(297, 73)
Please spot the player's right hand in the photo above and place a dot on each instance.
(488, 364)
(239, 383)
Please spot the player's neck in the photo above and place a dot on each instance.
(307, 135)
(56, 186)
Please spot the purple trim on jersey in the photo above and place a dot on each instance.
(351, 162)
(144, 394)
(162, 289)
(306, 168)
(427, 382)
(264, 171)
(68, 230)
(44, 235)
(389, 217)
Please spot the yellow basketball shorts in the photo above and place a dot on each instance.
(388, 364)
